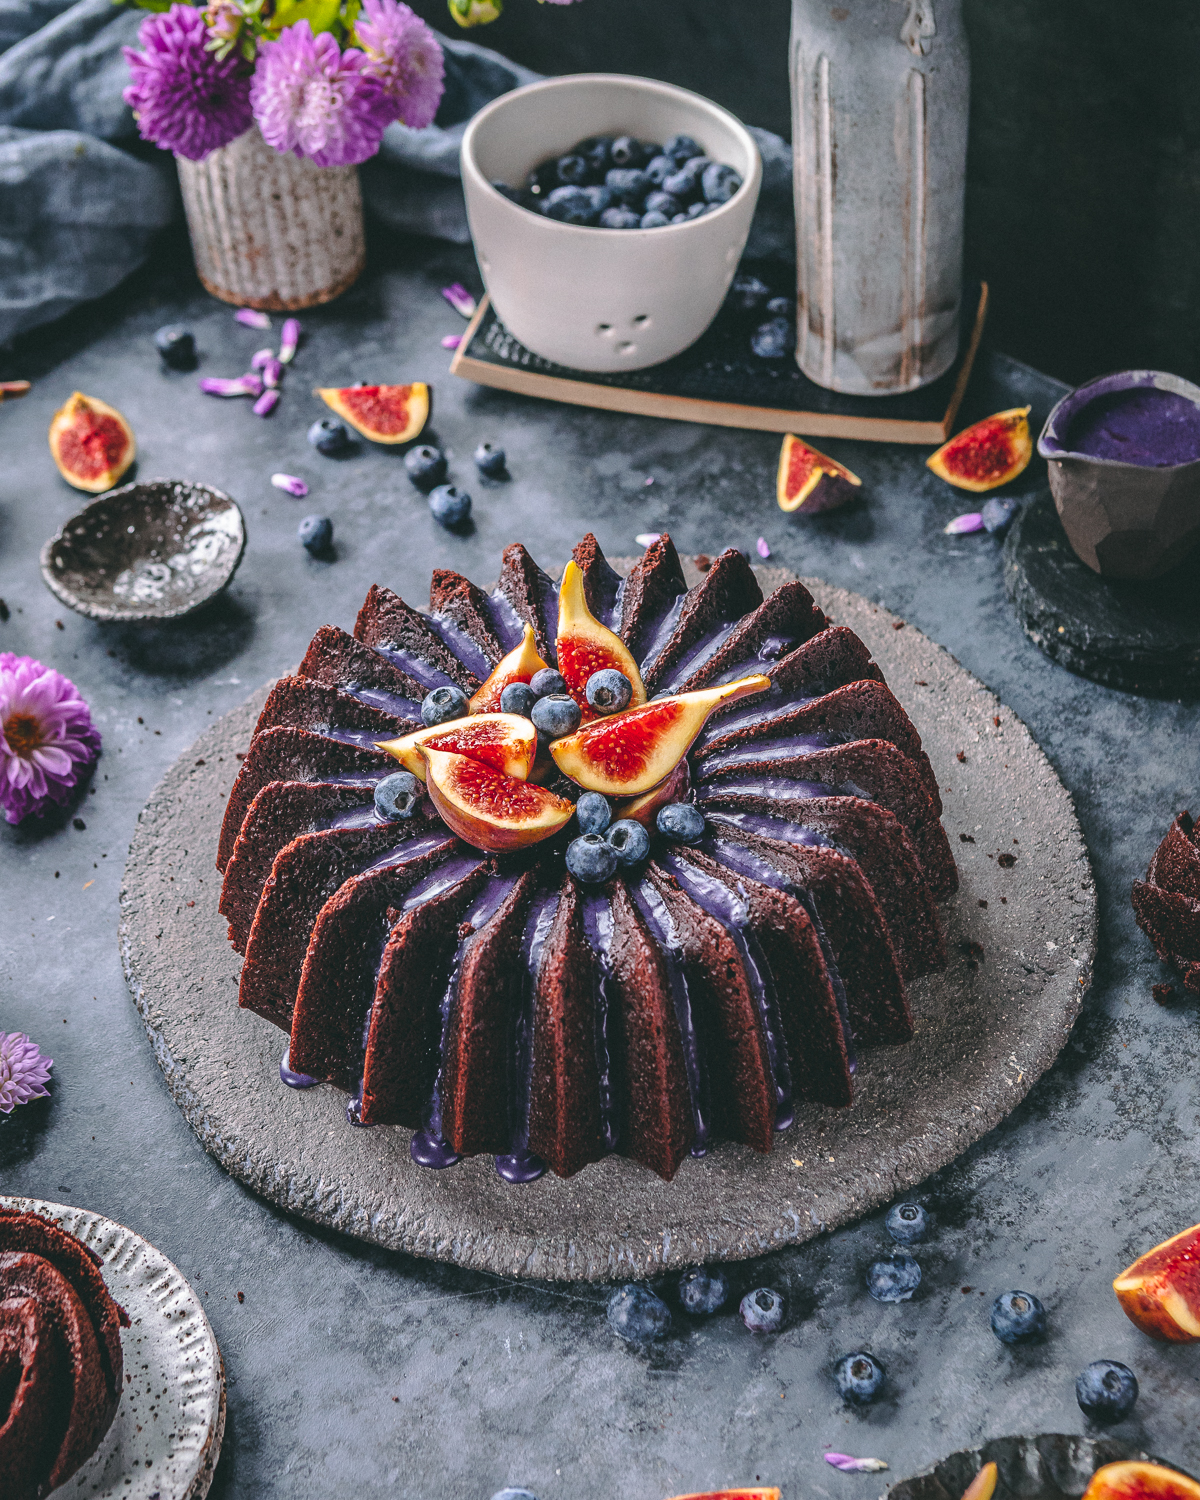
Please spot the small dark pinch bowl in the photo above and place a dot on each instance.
(1049, 1466)
(154, 550)
(1123, 520)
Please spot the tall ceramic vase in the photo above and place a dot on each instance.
(270, 230)
(880, 90)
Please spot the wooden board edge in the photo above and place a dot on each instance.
(477, 317)
(968, 364)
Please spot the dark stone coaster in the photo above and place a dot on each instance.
(1141, 637)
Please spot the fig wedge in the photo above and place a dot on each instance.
(506, 742)
(987, 454)
(518, 666)
(1160, 1292)
(644, 809)
(382, 413)
(92, 443)
(631, 752)
(1140, 1481)
(585, 646)
(809, 482)
(488, 809)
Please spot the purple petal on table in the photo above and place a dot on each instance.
(244, 385)
(452, 341)
(289, 340)
(250, 317)
(272, 373)
(647, 538)
(849, 1465)
(459, 298)
(261, 358)
(972, 521)
(761, 547)
(267, 402)
(290, 485)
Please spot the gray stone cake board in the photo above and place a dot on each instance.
(1021, 936)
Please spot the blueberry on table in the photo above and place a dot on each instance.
(177, 346)
(517, 698)
(631, 841)
(444, 704)
(681, 148)
(859, 1378)
(998, 512)
(511, 1494)
(702, 1291)
(397, 796)
(658, 169)
(762, 1310)
(620, 218)
(681, 822)
(894, 1279)
(573, 171)
(654, 221)
(719, 182)
(774, 339)
(547, 680)
(316, 534)
(635, 1313)
(1106, 1390)
(608, 691)
(593, 813)
(490, 460)
(570, 205)
(906, 1223)
(626, 152)
(425, 466)
(1018, 1318)
(329, 436)
(590, 859)
(557, 714)
(450, 507)
(628, 186)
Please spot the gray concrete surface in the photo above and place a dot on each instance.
(357, 1371)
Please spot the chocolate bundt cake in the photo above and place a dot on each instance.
(484, 964)
(1167, 903)
(60, 1355)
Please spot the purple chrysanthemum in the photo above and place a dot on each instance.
(47, 738)
(311, 98)
(24, 1072)
(405, 56)
(186, 99)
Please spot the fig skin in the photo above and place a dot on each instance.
(488, 809)
(644, 809)
(1160, 1291)
(506, 742)
(809, 482)
(94, 437)
(585, 646)
(1140, 1481)
(987, 454)
(381, 413)
(518, 666)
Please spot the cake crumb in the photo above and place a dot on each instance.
(982, 903)
(899, 624)
(703, 562)
(241, 1296)
(4, 612)
(960, 755)
(1006, 861)
(966, 838)
(996, 720)
(1163, 993)
(921, 682)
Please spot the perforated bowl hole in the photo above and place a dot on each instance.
(604, 330)
(641, 320)
(625, 347)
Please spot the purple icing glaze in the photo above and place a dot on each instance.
(759, 718)
(354, 1110)
(778, 787)
(416, 667)
(430, 1151)
(353, 817)
(1146, 426)
(547, 607)
(705, 648)
(760, 750)
(410, 849)
(773, 828)
(467, 650)
(391, 703)
(365, 739)
(520, 1166)
(293, 1079)
(657, 632)
(598, 926)
(506, 622)
(533, 940)
(775, 647)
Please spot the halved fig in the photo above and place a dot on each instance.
(1160, 1292)
(506, 742)
(518, 666)
(644, 809)
(1140, 1481)
(987, 454)
(382, 413)
(488, 809)
(757, 1493)
(585, 646)
(983, 1486)
(92, 443)
(809, 481)
(631, 752)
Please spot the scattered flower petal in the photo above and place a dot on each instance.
(849, 1465)
(761, 547)
(267, 402)
(244, 385)
(261, 358)
(250, 317)
(47, 738)
(997, 513)
(452, 341)
(459, 299)
(290, 484)
(972, 521)
(647, 538)
(272, 373)
(24, 1072)
(648, 481)
(289, 340)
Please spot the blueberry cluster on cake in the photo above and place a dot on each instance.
(561, 870)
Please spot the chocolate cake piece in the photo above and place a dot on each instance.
(655, 1121)
(565, 1125)
(759, 640)
(387, 623)
(302, 703)
(832, 658)
(405, 1036)
(294, 755)
(808, 1009)
(1175, 864)
(335, 658)
(600, 582)
(727, 591)
(1167, 903)
(457, 598)
(652, 586)
(533, 596)
(729, 1034)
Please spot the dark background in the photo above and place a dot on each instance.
(1083, 192)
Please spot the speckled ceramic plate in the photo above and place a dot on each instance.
(1021, 935)
(1052, 1466)
(166, 1436)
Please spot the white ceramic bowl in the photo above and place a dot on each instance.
(602, 299)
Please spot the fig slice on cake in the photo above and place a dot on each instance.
(92, 443)
(489, 810)
(506, 742)
(518, 666)
(382, 413)
(758, 1492)
(631, 752)
(1160, 1292)
(1140, 1481)
(987, 454)
(585, 646)
(644, 809)
(810, 482)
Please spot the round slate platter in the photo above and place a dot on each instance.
(165, 1439)
(1021, 936)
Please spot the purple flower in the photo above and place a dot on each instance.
(266, 403)
(251, 317)
(24, 1072)
(405, 56)
(272, 374)
(972, 521)
(761, 547)
(47, 738)
(849, 1465)
(459, 298)
(452, 341)
(262, 358)
(290, 485)
(289, 340)
(244, 385)
(312, 99)
(185, 98)
(647, 538)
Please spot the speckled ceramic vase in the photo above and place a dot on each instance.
(880, 90)
(271, 230)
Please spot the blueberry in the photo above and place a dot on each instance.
(590, 859)
(425, 466)
(654, 221)
(634, 1312)
(397, 795)
(620, 218)
(593, 812)
(177, 346)
(779, 307)
(719, 182)
(596, 151)
(774, 339)
(681, 822)
(626, 152)
(490, 460)
(681, 148)
(907, 1223)
(859, 1378)
(747, 293)
(680, 219)
(694, 210)
(1018, 1318)
(546, 680)
(658, 169)
(444, 704)
(702, 1291)
(600, 197)
(517, 698)
(894, 1279)
(682, 184)
(608, 691)
(572, 170)
(631, 841)
(543, 179)
(329, 436)
(571, 205)
(316, 534)
(997, 513)
(557, 714)
(450, 507)
(663, 203)
(627, 185)
(511, 1494)
(762, 1310)
(1106, 1390)
(514, 195)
